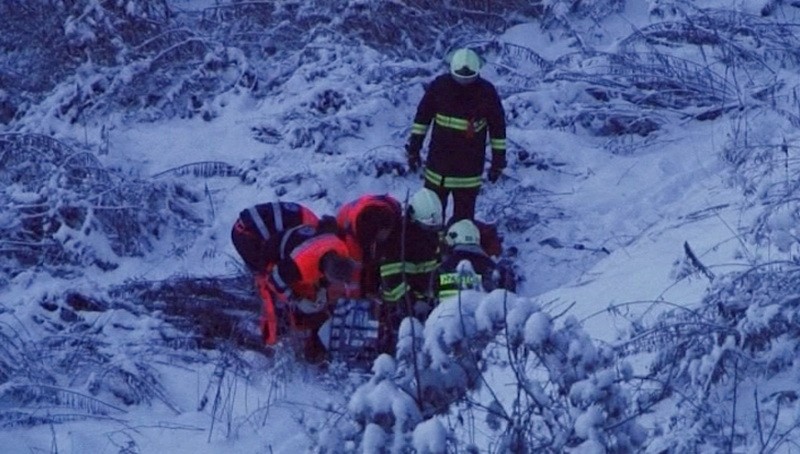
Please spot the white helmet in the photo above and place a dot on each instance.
(426, 208)
(465, 65)
(463, 232)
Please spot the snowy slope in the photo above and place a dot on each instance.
(616, 212)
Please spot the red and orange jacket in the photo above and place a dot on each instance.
(360, 233)
(299, 268)
(297, 272)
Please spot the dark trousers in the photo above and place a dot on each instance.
(463, 200)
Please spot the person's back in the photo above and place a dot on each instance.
(408, 264)
(296, 285)
(367, 224)
(413, 250)
(450, 278)
(257, 226)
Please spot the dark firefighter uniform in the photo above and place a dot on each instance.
(449, 281)
(462, 117)
(405, 276)
(258, 225)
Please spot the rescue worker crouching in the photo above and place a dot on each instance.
(258, 224)
(412, 255)
(300, 265)
(463, 242)
(367, 224)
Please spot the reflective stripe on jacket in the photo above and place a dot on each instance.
(409, 268)
(448, 281)
(267, 219)
(463, 116)
(308, 255)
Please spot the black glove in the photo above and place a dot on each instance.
(414, 162)
(328, 224)
(497, 166)
(413, 148)
(494, 174)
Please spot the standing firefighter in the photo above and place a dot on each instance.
(464, 109)
(411, 258)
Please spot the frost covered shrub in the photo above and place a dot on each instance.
(727, 374)
(101, 31)
(144, 59)
(63, 211)
(766, 175)
(593, 9)
(47, 40)
(137, 57)
(568, 392)
(69, 355)
(763, 167)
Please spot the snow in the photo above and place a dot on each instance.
(641, 203)
(430, 437)
(537, 329)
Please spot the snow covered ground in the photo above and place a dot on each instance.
(617, 214)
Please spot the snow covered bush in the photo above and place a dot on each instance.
(567, 393)
(764, 169)
(90, 354)
(64, 211)
(725, 372)
(47, 41)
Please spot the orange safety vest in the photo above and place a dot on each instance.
(307, 256)
(348, 215)
(269, 319)
(347, 220)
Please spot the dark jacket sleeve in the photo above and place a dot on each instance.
(284, 274)
(496, 118)
(426, 109)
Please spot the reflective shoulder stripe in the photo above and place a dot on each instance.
(285, 239)
(277, 213)
(278, 280)
(458, 124)
(259, 223)
(448, 278)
